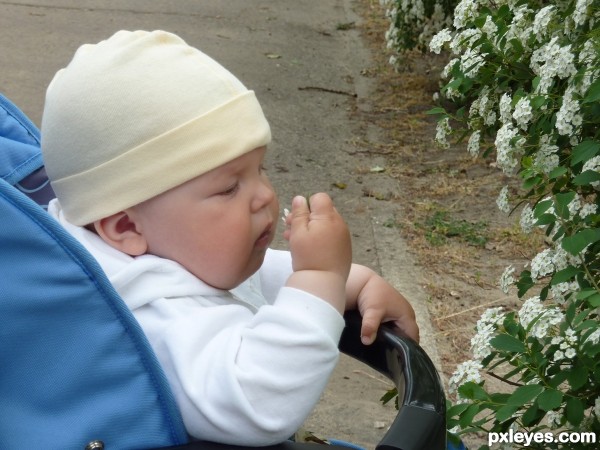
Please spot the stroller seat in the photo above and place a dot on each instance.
(77, 369)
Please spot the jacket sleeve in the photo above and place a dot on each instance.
(244, 377)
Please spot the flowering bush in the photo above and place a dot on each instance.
(413, 23)
(523, 83)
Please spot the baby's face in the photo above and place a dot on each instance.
(218, 225)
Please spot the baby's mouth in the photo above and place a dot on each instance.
(264, 239)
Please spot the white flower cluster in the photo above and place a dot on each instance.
(523, 113)
(486, 329)
(408, 17)
(574, 206)
(465, 11)
(508, 152)
(551, 61)
(594, 338)
(465, 372)
(551, 260)
(546, 158)
(539, 318)
(489, 27)
(580, 15)
(587, 209)
(505, 108)
(471, 62)
(527, 220)
(474, 143)
(566, 345)
(439, 40)
(507, 279)
(483, 107)
(542, 19)
(560, 291)
(520, 28)
(541, 264)
(464, 40)
(443, 129)
(554, 419)
(567, 118)
(502, 200)
(593, 164)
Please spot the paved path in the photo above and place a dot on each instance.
(303, 64)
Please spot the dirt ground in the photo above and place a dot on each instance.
(449, 218)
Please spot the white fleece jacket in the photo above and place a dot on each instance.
(246, 366)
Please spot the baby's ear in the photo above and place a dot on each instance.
(121, 232)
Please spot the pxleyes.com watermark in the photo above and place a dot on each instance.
(527, 439)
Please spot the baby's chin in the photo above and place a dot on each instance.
(234, 281)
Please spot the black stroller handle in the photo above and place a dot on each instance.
(421, 420)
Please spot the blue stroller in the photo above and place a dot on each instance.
(76, 369)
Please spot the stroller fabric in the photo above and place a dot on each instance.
(76, 367)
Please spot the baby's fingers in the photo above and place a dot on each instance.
(300, 212)
(372, 318)
(370, 324)
(409, 327)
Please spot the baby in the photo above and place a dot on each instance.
(155, 152)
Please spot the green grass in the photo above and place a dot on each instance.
(440, 227)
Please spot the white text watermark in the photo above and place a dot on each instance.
(527, 439)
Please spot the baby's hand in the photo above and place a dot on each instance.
(319, 238)
(321, 249)
(378, 302)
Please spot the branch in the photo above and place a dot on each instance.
(498, 377)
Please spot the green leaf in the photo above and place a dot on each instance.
(564, 275)
(532, 416)
(587, 177)
(532, 182)
(585, 293)
(584, 151)
(574, 411)
(538, 101)
(500, 398)
(506, 412)
(389, 395)
(593, 93)
(557, 379)
(508, 343)
(561, 203)
(467, 417)
(549, 399)
(541, 208)
(454, 84)
(435, 111)
(570, 312)
(576, 243)
(594, 300)
(473, 391)
(546, 219)
(525, 394)
(456, 410)
(557, 172)
(525, 283)
(578, 377)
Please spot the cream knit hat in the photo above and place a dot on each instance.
(138, 114)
